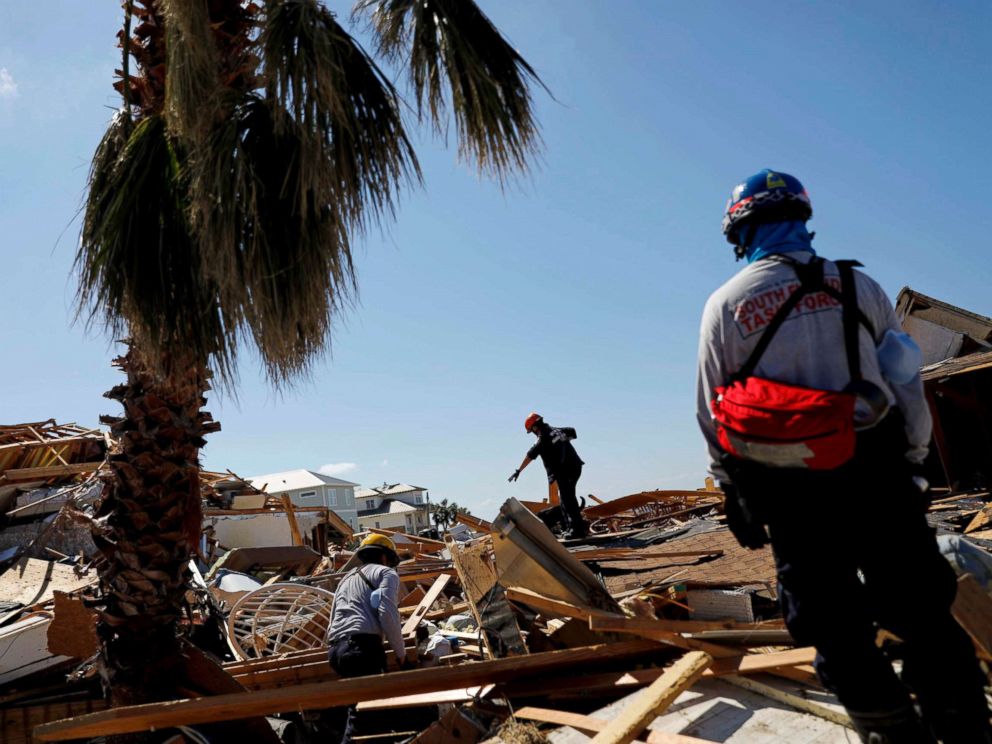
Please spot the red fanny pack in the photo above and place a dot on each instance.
(791, 426)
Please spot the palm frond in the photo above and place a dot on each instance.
(488, 80)
(138, 266)
(354, 150)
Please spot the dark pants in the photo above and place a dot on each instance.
(357, 656)
(868, 517)
(570, 504)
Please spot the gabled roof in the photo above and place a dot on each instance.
(292, 480)
(388, 506)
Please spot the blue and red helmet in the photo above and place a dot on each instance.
(768, 196)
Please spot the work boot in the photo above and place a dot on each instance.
(899, 726)
(961, 726)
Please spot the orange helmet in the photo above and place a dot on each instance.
(534, 418)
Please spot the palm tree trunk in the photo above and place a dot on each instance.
(150, 515)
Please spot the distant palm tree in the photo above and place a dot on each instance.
(256, 141)
(441, 515)
(445, 514)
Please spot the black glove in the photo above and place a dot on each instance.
(749, 531)
(516, 474)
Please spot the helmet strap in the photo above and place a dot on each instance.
(745, 235)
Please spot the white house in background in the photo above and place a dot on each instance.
(399, 507)
(307, 488)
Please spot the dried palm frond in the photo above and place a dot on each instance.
(488, 81)
(139, 268)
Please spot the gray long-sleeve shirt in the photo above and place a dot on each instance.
(355, 610)
(808, 349)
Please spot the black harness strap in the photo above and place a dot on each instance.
(849, 301)
(361, 574)
(811, 280)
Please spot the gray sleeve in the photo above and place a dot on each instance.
(711, 373)
(389, 614)
(910, 397)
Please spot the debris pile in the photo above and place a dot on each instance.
(519, 636)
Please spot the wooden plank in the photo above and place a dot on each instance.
(406, 538)
(476, 575)
(230, 707)
(630, 554)
(621, 681)
(294, 527)
(249, 501)
(590, 725)
(412, 599)
(751, 663)
(713, 649)
(16, 723)
(53, 471)
(475, 523)
(556, 606)
(793, 701)
(461, 695)
(653, 701)
(32, 581)
(631, 624)
(972, 609)
(270, 510)
(981, 520)
(425, 604)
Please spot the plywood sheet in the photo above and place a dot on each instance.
(31, 581)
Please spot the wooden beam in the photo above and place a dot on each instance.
(407, 536)
(556, 606)
(972, 609)
(341, 692)
(630, 554)
(425, 604)
(793, 701)
(269, 510)
(621, 681)
(636, 624)
(475, 523)
(294, 527)
(462, 695)
(653, 701)
(590, 725)
(53, 471)
(750, 663)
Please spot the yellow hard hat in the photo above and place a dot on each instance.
(380, 542)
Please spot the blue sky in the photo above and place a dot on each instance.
(575, 292)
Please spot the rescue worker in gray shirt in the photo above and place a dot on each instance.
(851, 542)
(365, 611)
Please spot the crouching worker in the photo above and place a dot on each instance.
(365, 611)
(811, 402)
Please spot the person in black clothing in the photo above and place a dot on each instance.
(561, 461)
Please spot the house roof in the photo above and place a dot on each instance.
(388, 506)
(916, 304)
(957, 366)
(387, 490)
(291, 480)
